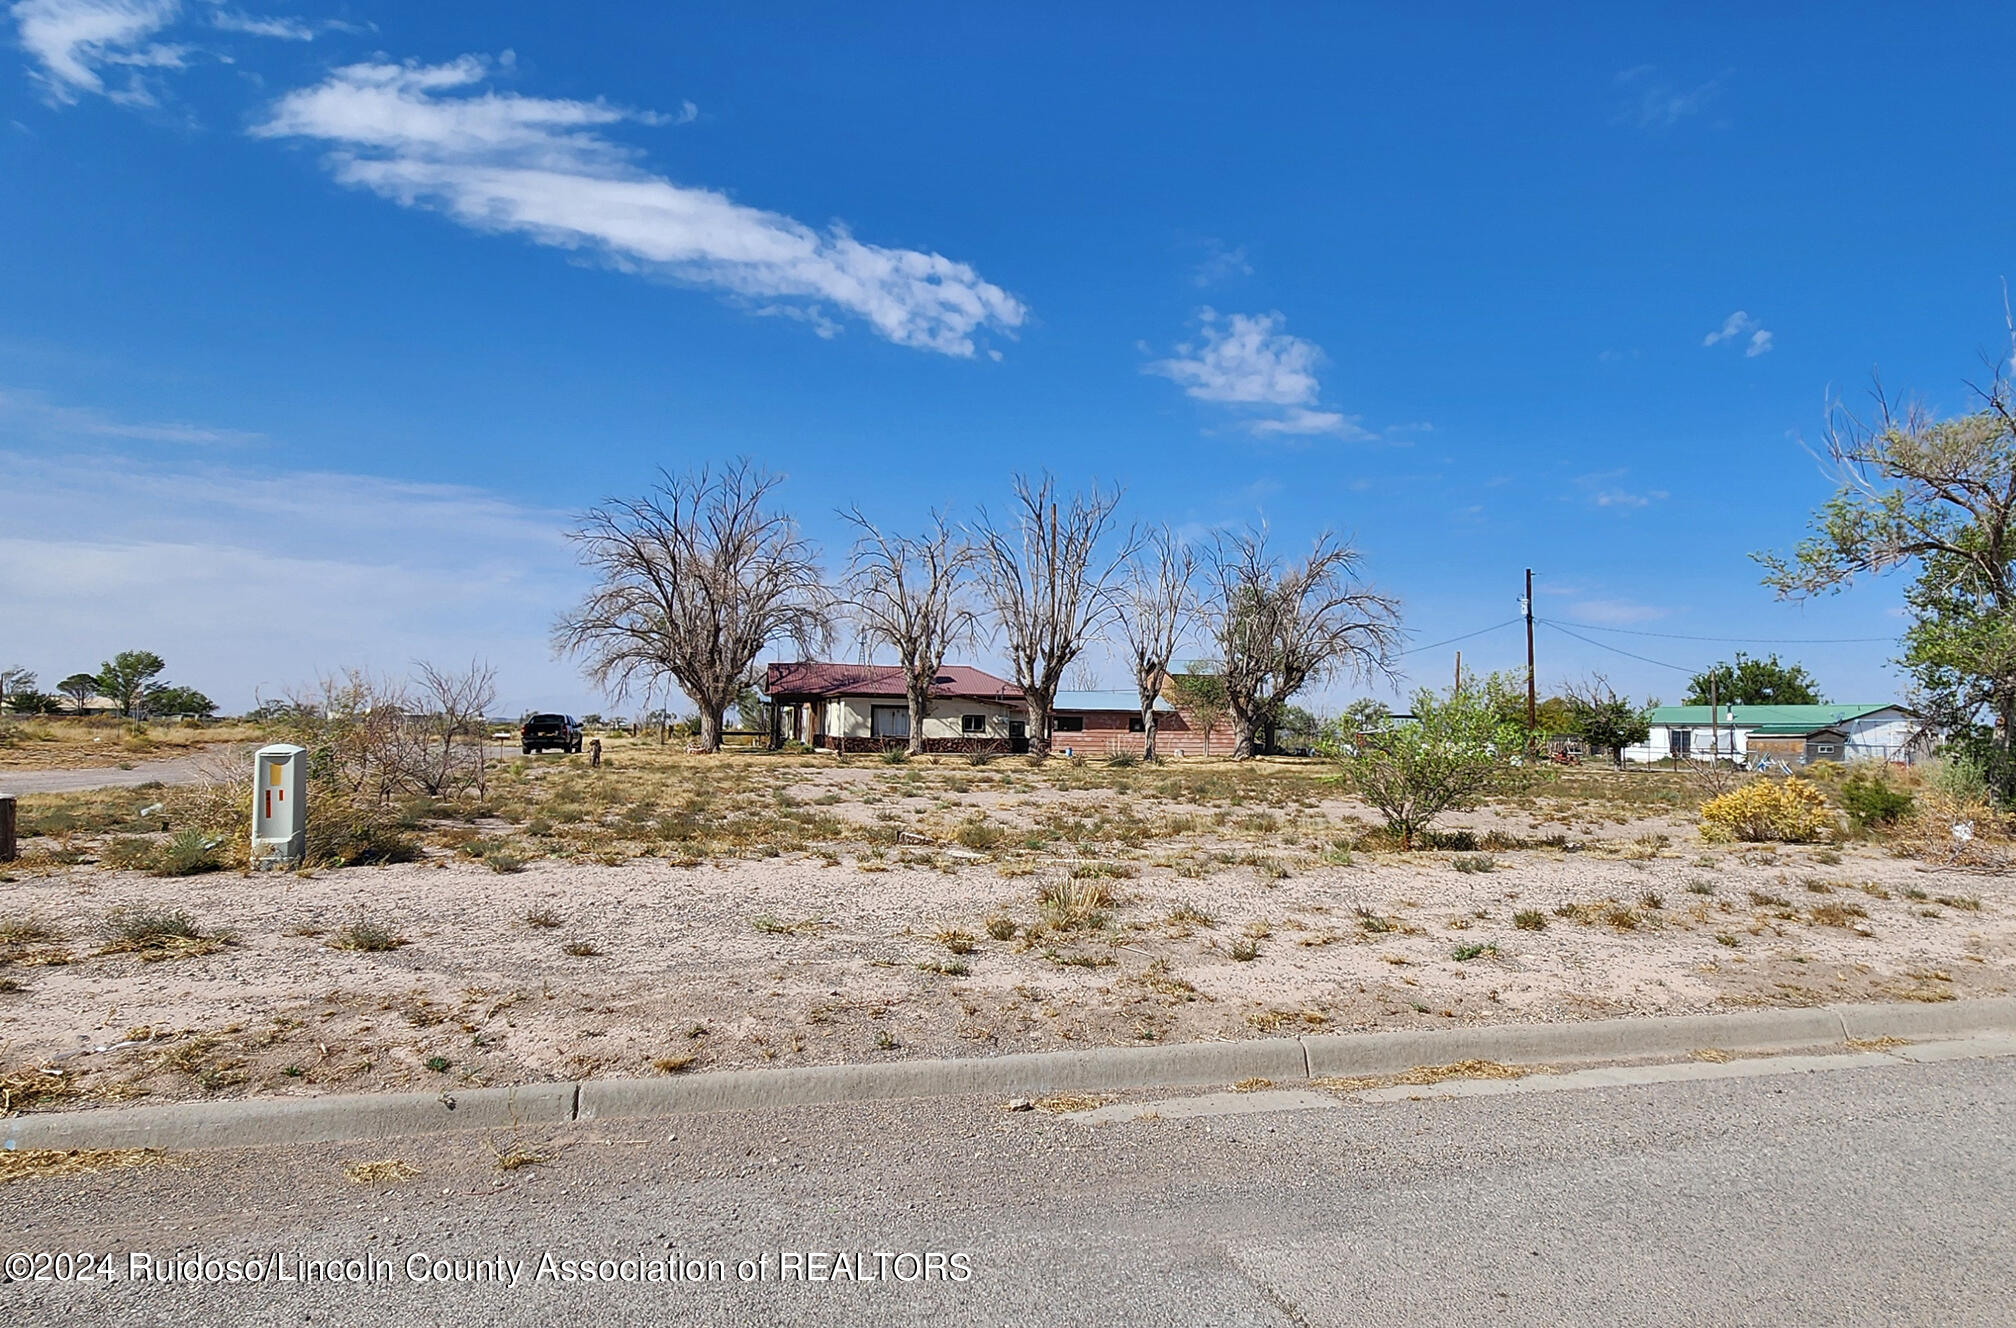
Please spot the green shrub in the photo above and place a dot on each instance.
(1871, 800)
(980, 834)
(187, 853)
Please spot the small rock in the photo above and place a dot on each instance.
(1020, 1104)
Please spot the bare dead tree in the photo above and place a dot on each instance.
(693, 581)
(1157, 607)
(354, 725)
(448, 728)
(909, 593)
(1050, 586)
(1280, 626)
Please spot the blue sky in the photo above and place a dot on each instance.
(317, 322)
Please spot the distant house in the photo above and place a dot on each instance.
(1109, 722)
(864, 708)
(1794, 734)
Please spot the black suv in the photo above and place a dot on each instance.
(543, 731)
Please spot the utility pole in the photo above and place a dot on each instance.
(1459, 671)
(1714, 722)
(1532, 699)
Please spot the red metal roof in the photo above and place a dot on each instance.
(816, 679)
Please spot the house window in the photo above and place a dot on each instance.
(971, 725)
(1134, 724)
(1824, 748)
(889, 721)
(1682, 741)
(1067, 724)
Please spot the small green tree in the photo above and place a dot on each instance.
(80, 688)
(124, 677)
(1202, 694)
(1605, 720)
(1457, 748)
(29, 701)
(168, 699)
(1938, 495)
(1754, 682)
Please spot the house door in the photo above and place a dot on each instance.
(1018, 735)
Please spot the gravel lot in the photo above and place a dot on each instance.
(648, 967)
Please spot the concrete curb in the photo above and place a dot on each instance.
(291, 1120)
(1024, 1074)
(1285, 1061)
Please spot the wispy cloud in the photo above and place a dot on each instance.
(1604, 489)
(1246, 361)
(1220, 264)
(432, 136)
(394, 570)
(1652, 101)
(1741, 327)
(30, 414)
(261, 25)
(78, 43)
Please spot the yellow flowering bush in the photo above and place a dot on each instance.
(1788, 811)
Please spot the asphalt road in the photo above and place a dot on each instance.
(175, 770)
(1864, 1196)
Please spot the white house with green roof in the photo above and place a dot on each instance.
(1795, 734)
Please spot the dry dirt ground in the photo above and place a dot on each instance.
(932, 910)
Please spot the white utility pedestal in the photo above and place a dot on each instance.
(279, 806)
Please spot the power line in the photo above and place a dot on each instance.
(1730, 640)
(1437, 645)
(1604, 645)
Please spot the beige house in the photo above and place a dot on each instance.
(863, 708)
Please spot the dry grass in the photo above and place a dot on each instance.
(383, 1171)
(1062, 1103)
(21, 1090)
(51, 1163)
(1423, 1075)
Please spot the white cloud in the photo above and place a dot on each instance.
(1303, 422)
(260, 25)
(75, 41)
(1654, 102)
(428, 136)
(1740, 326)
(1248, 362)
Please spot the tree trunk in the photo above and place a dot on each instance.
(1148, 732)
(710, 727)
(2005, 737)
(1243, 732)
(1039, 725)
(920, 702)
